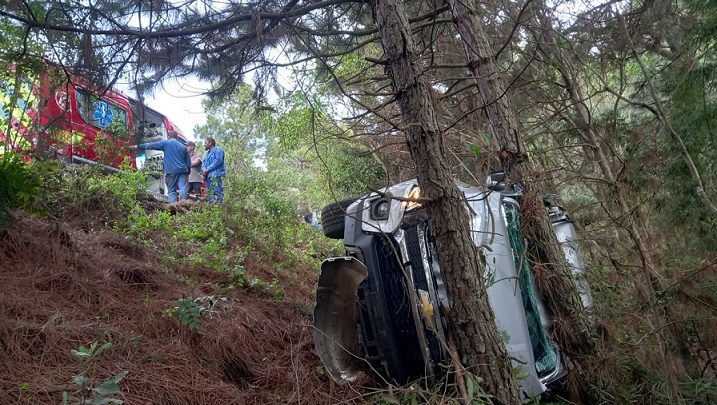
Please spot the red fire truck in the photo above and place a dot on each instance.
(64, 115)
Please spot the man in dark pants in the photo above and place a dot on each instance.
(195, 174)
(176, 164)
(213, 171)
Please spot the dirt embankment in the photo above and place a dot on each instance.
(62, 287)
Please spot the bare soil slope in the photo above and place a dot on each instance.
(62, 287)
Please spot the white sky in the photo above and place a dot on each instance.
(181, 99)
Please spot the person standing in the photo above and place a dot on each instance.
(176, 164)
(195, 174)
(213, 171)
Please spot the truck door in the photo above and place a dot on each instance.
(150, 127)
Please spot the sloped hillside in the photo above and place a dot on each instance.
(66, 286)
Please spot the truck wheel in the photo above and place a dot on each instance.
(332, 218)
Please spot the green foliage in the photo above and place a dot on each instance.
(274, 288)
(67, 191)
(273, 169)
(17, 47)
(309, 149)
(355, 64)
(17, 100)
(85, 391)
(705, 11)
(238, 275)
(474, 388)
(257, 213)
(626, 379)
(202, 233)
(693, 114)
(203, 225)
(189, 311)
(703, 391)
(199, 236)
(416, 394)
(91, 352)
(306, 158)
(237, 126)
(278, 290)
(18, 184)
(143, 224)
(296, 148)
(263, 212)
(474, 149)
(100, 394)
(352, 171)
(267, 196)
(296, 124)
(153, 166)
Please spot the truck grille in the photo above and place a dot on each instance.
(415, 256)
(403, 354)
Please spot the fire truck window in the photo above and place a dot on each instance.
(100, 112)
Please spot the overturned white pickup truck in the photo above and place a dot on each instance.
(378, 308)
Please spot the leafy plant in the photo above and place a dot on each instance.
(85, 391)
(74, 190)
(100, 394)
(238, 274)
(17, 184)
(89, 353)
(190, 311)
(277, 289)
(474, 388)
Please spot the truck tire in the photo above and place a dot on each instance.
(332, 218)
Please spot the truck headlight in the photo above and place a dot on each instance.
(380, 209)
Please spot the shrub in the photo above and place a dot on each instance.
(17, 184)
(75, 191)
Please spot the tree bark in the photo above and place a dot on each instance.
(470, 316)
(559, 289)
(653, 279)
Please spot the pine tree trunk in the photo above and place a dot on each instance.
(470, 316)
(652, 277)
(558, 287)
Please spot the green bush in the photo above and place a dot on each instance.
(258, 218)
(82, 190)
(141, 224)
(17, 184)
(264, 207)
(189, 311)
(203, 225)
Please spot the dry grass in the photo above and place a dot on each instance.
(63, 287)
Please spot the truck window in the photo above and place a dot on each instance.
(100, 112)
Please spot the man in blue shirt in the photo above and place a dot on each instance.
(176, 164)
(213, 171)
